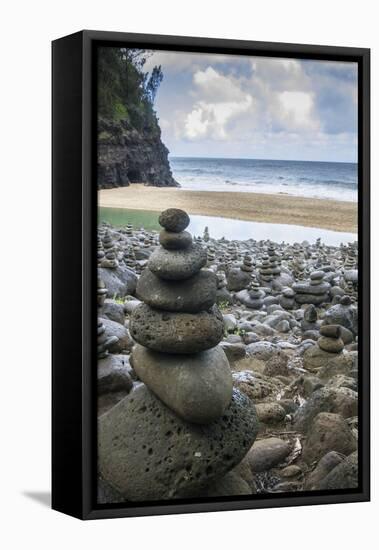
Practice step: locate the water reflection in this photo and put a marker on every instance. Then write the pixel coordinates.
(229, 228)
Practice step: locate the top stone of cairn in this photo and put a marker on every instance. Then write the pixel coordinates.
(174, 219)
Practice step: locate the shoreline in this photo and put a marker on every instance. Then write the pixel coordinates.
(255, 207)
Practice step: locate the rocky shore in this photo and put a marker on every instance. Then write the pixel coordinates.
(224, 367)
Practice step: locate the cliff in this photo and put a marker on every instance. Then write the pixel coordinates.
(127, 155)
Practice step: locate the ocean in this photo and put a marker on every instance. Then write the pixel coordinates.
(324, 180)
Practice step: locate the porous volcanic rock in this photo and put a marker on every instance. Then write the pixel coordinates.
(146, 452)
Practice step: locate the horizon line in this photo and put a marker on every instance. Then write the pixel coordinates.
(269, 159)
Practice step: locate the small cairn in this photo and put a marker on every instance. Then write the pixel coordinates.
(187, 382)
(314, 291)
(287, 298)
(239, 277)
(253, 297)
(101, 293)
(206, 236)
(100, 250)
(110, 261)
(129, 230)
(265, 271)
(310, 319)
(274, 260)
(330, 339)
(223, 296)
(298, 265)
(211, 256)
(130, 258)
(104, 341)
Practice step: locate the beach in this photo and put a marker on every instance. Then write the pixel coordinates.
(258, 207)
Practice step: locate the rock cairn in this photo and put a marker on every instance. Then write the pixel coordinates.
(104, 340)
(151, 445)
(239, 277)
(330, 339)
(314, 291)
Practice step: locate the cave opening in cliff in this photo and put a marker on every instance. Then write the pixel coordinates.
(135, 176)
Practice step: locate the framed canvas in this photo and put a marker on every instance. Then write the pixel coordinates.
(210, 275)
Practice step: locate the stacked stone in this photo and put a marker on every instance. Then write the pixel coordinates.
(248, 264)
(314, 291)
(287, 298)
(130, 258)
(104, 341)
(100, 250)
(175, 284)
(274, 260)
(265, 271)
(298, 265)
(110, 260)
(239, 277)
(350, 290)
(206, 236)
(187, 382)
(211, 256)
(129, 230)
(330, 339)
(253, 296)
(222, 294)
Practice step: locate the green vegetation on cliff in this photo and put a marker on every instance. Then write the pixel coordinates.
(125, 90)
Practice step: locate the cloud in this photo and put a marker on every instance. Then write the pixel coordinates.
(257, 107)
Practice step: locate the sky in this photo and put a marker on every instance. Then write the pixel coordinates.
(257, 107)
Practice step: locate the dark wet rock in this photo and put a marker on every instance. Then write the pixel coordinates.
(177, 265)
(340, 401)
(267, 453)
(175, 241)
(147, 453)
(124, 343)
(197, 387)
(192, 295)
(231, 484)
(343, 476)
(345, 315)
(114, 311)
(176, 332)
(174, 219)
(328, 432)
(113, 374)
(324, 466)
(238, 279)
(119, 282)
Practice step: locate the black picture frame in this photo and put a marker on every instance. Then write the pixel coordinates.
(74, 207)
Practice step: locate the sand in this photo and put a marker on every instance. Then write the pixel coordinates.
(258, 207)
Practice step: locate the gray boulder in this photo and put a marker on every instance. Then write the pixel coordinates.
(197, 387)
(176, 332)
(192, 295)
(147, 453)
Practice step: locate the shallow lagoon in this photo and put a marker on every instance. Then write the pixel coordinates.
(228, 228)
